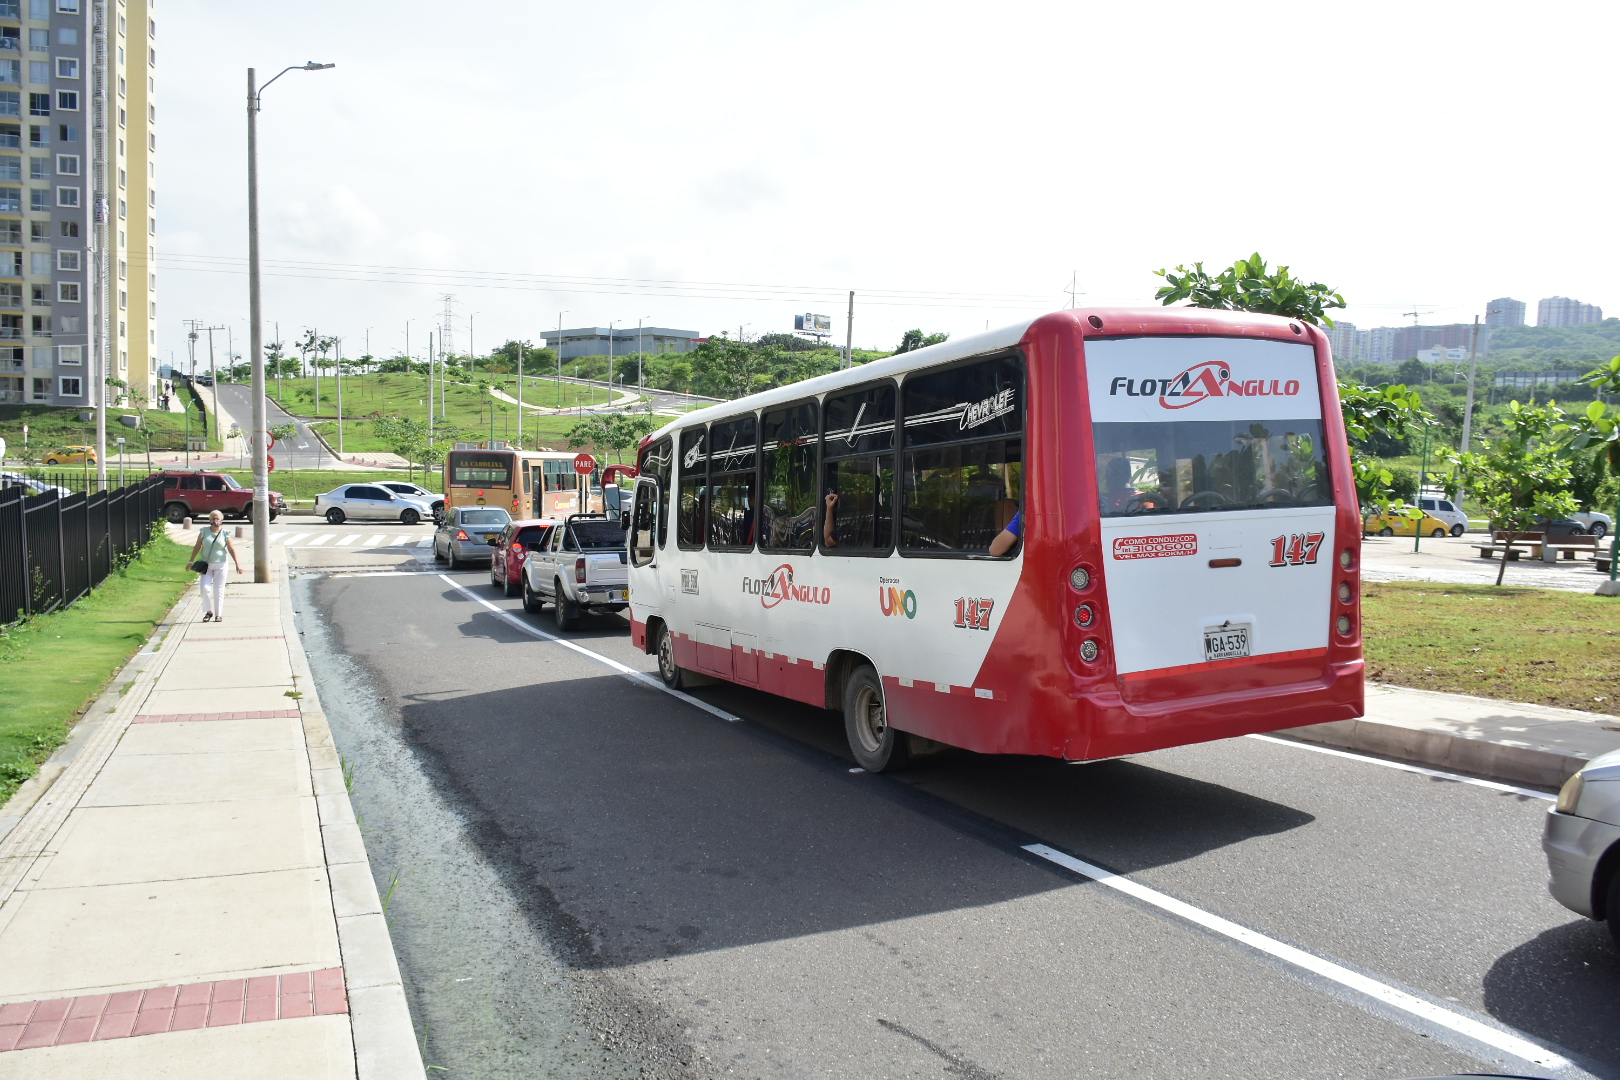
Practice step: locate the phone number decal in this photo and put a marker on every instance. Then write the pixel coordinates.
(1155, 547)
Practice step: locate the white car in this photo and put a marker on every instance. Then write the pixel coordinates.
(418, 493)
(1594, 522)
(1446, 511)
(370, 502)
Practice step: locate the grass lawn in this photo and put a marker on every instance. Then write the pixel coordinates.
(50, 427)
(1543, 646)
(300, 486)
(52, 668)
(475, 413)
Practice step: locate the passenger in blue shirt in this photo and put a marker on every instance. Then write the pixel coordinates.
(1009, 536)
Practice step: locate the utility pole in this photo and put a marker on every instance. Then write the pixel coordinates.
(520, 395)
(101, 339)
(610, 362)
(849, 334)
(339, 346)
(430, 386)
(560, 314)
(1468, 409)
(641, 382)
(213, 373)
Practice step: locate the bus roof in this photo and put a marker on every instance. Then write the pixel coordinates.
(1116, 322)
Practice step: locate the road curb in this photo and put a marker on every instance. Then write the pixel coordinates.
(385, 1046)
(1444, 750)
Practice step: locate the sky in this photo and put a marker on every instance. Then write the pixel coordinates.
(719, 166)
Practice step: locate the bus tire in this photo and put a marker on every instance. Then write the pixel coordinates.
(877, 747)
(533, 603)
(564, 610)
(675, 677)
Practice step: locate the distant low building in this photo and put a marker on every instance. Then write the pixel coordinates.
(1435, 355)
(1504, 311)
(1562, 311)
(1529, 380)
(625, 341)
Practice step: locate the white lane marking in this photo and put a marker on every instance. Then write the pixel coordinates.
(351, 538)
(401, 541)
(321, 539)
(628, 672)
(289, 541)
(1362, 984)
(425, 543)
(1404, 767)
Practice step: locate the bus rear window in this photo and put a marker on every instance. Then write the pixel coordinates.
(479, 470)
(1198, 424)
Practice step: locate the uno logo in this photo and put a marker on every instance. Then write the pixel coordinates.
(895, 602)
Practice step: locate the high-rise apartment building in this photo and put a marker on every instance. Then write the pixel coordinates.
(77, 151)
(1562, 311)
(1504, 311)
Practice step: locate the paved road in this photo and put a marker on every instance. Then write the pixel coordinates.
(1456, 560)
(302, 451)
(595, 878)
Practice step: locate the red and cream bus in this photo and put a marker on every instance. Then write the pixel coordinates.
(524, 483)
(1097, 533)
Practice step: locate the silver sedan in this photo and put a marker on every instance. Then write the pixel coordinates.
(469, 534)
(1582, 842)
(370, 502)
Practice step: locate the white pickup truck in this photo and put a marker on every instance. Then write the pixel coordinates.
(583, 568)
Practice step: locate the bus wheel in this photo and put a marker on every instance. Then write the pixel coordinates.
(674, 677)
(877, 746)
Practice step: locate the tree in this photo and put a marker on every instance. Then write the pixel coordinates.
(1378, 413)
(1245, 286)
(1522, 478)
(617, 432)
(734, 368)
(913, 340)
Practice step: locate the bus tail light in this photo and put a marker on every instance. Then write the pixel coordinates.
(461, 534)
(1345, 592)
(1090, 650)
(1079, 579)
(1084, 616)
(1342, 624)
(579, 571)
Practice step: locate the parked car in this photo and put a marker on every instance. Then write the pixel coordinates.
(1596, 523)
(469, 534)
(35, 486)
(370, 502)
(584, 568)
(204, 380)
(512, 548)
(1582, 842)
(198, 494)
(71, 455)
(1446, 510)
(1398, 524)
(1561, 527)
(434, 500)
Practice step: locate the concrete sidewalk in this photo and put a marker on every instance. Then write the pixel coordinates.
(185, 892)
(1500, 740)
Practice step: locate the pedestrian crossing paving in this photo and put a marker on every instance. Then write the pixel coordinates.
(355, 540)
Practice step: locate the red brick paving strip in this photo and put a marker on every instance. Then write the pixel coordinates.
(27, 1025)
(185, 718)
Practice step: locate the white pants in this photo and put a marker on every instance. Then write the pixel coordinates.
(213, 589)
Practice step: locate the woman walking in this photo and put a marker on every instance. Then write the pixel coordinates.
(212, 546)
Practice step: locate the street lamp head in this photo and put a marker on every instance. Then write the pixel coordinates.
(313, 66)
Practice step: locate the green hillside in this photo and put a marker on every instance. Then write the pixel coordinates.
(1529, 348)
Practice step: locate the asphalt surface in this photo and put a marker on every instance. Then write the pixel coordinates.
(596, 878)
(302, 451)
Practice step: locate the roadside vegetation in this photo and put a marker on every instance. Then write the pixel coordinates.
(54, 666)
(1542, 646)
(51, 427)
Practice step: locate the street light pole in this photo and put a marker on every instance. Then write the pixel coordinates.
(261, 432)
(640, 379)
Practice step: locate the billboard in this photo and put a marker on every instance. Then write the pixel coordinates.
(813, 324)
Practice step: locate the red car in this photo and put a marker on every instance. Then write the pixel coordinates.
(197, 494)
(506, 567)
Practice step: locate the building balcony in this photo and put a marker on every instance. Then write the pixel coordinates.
(13, 397)
(11, 333)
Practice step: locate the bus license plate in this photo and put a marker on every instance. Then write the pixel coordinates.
(1225, 642)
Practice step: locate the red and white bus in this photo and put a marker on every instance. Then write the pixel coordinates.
(1098, 533)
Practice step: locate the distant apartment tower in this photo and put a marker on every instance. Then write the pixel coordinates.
(1504, 311)
(60, 148)
(1345, 341)
(1562, 311)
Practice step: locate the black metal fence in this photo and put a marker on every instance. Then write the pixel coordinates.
(56, 544)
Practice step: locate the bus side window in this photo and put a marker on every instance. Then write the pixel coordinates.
(857, 453)
(964, 455)
(690, 516)
(733, 458)
(787, 479)
(655, 462)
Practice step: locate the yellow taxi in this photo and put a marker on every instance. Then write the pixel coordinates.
(1398, 524)
(72, 455)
